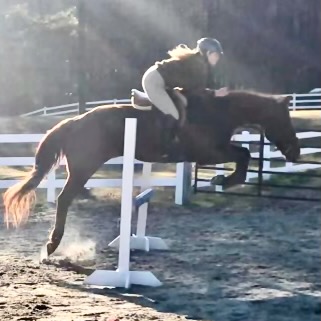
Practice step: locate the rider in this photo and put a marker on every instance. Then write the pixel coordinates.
(186, 68)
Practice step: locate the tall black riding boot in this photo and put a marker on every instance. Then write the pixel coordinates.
(168, 133)
(170, 142)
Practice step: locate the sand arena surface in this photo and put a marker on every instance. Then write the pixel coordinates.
(254, 264)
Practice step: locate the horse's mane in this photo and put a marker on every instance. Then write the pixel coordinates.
(246, 93)
(237, 93)
(238, 100)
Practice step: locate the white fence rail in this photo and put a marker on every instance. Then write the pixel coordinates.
(270, 154)
(305, 101)
(72, 108)
(298, 102)
(51, 183)
(273, 154)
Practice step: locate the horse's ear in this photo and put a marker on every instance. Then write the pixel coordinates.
(285, 99)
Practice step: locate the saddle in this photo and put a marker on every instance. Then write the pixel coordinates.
(140, 100)
(170, 141)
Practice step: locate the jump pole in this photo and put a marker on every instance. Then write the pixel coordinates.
(123, 277)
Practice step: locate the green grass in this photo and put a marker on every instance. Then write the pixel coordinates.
(297, 179)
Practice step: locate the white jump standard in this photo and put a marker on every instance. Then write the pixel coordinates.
(140, 241)
(123, 277)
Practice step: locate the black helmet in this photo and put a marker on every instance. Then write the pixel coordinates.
(205, 45)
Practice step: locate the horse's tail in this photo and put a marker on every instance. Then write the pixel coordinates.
(19, 198)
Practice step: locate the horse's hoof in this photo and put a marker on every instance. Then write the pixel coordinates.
(217, 180)
(43, 254)
(50, 248)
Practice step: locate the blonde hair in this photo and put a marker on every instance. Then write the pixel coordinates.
(182, 51)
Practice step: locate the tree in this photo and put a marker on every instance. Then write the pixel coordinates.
(269, 46)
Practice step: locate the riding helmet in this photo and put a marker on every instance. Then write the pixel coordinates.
(205, 45)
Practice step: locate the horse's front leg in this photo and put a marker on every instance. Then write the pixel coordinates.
(238, 155)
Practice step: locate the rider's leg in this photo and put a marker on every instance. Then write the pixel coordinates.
(181, 105)
(154, 86)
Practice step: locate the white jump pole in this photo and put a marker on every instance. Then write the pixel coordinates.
(123, 277)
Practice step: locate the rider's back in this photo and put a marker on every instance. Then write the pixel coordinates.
(190, 72)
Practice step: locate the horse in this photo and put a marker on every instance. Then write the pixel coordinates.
(89, 140)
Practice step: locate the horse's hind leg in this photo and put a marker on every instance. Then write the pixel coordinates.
(239, 155)
(76, 180)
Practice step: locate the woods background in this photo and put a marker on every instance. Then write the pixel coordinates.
(272, 46)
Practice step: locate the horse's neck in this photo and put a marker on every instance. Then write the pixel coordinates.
(248, 117)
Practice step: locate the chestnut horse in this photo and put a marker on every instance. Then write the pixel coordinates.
(89, 140)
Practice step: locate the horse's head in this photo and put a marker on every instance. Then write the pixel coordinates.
(280, 131)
